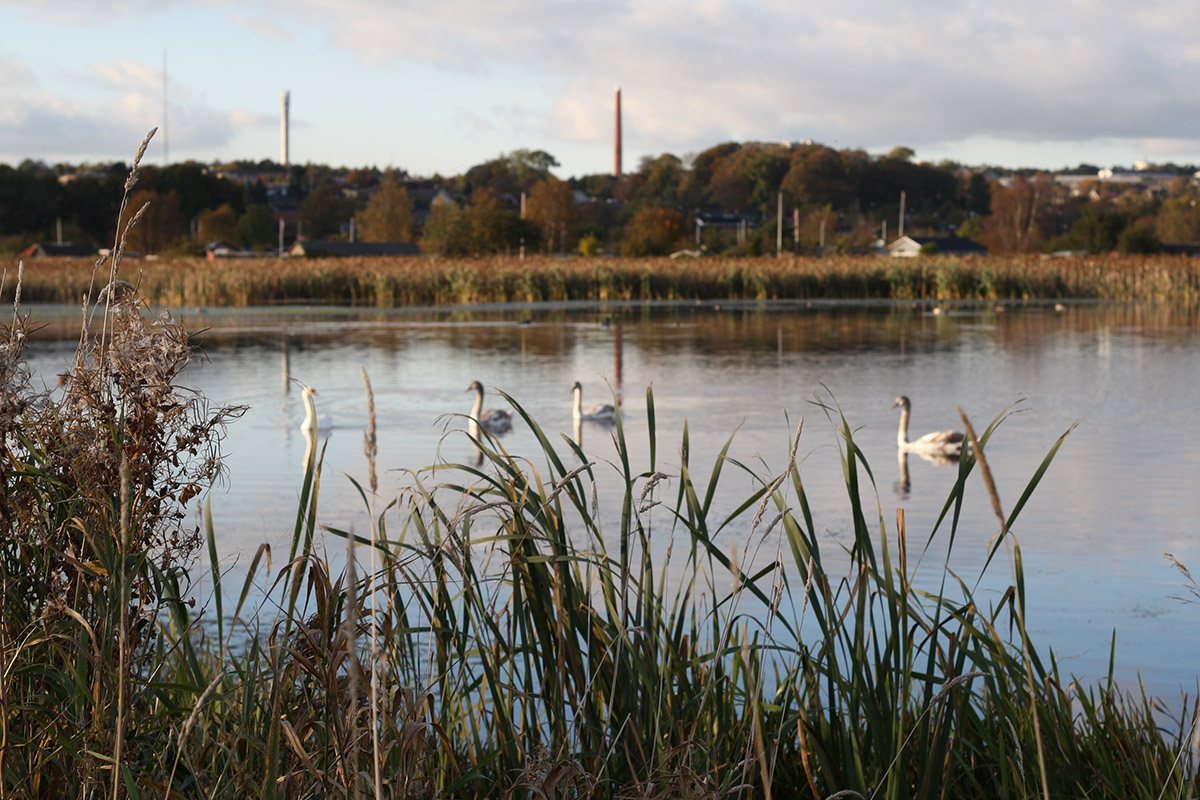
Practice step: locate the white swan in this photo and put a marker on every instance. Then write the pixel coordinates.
(603, 412)
(947, 443)
(494, 420)
(312, 420)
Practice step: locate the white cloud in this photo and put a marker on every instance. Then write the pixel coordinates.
(264, 27)
(57, 127)
(869, 73)
(125, 75)
(86, 12)
(861, 72)
(15, 75)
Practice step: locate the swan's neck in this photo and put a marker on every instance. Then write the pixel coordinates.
(578, 408)
(902, 434)
(475, 409)
(310, 412)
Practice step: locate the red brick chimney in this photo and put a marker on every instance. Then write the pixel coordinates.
(617, 138)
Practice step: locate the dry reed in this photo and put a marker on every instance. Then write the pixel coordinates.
(388, 282)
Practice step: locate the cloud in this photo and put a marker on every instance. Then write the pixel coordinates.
(55, 127)
(124, 75)
(264, 27)
(15, 75)
(86, 12)
(860, 72)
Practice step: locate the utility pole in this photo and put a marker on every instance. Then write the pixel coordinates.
(166, 139)
(779, 228)
(902, 199)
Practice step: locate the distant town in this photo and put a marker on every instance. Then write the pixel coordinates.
(736, 198)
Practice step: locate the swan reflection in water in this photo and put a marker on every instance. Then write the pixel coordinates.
(942, 459)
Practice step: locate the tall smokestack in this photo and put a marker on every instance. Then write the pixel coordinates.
(617, 138)
(285, 99)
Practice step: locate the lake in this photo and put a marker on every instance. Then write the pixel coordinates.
(1120, 494)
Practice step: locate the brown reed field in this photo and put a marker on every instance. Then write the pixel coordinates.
(422, 281)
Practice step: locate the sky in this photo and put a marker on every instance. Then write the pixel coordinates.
(438, 86)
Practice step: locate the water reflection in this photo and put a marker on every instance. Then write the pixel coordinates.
(903, 487)
(1114, 499)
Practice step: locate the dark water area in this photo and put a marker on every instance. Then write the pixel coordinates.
(1120, 494)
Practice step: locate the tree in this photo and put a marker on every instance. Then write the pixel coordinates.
(659, 181)
(1179, 220)
(161, 225)
(256, 228)
(322, 212)
(388, 216)
(654, 231)
(531, 165)
(493, 227)
(1022, 215)
(695, 189)
(1138, 239)
(1097, 230)
(196, 188)
(447, 231)
(817, 175)
(220, 224)
(511, 174)
(551, 206)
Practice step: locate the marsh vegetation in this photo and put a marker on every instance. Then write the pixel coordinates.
(386, 282)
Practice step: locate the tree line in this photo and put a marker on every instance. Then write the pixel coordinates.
(724, 200)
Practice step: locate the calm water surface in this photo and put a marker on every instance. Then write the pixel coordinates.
(1120, 494)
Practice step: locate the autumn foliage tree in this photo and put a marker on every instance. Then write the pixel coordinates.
(161, 226)
(388, 216)
(220, 224)
(447, 231)
(322, 212)
(1022, 215)
(493, 227)
(1179, 220)
(654, 231)
(551, 207)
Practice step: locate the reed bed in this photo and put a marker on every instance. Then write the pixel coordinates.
(388, 282)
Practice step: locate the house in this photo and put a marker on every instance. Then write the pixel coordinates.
(40, 250)
(219, 249)
(336, 249)
(1181, 248)
(911, 246)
